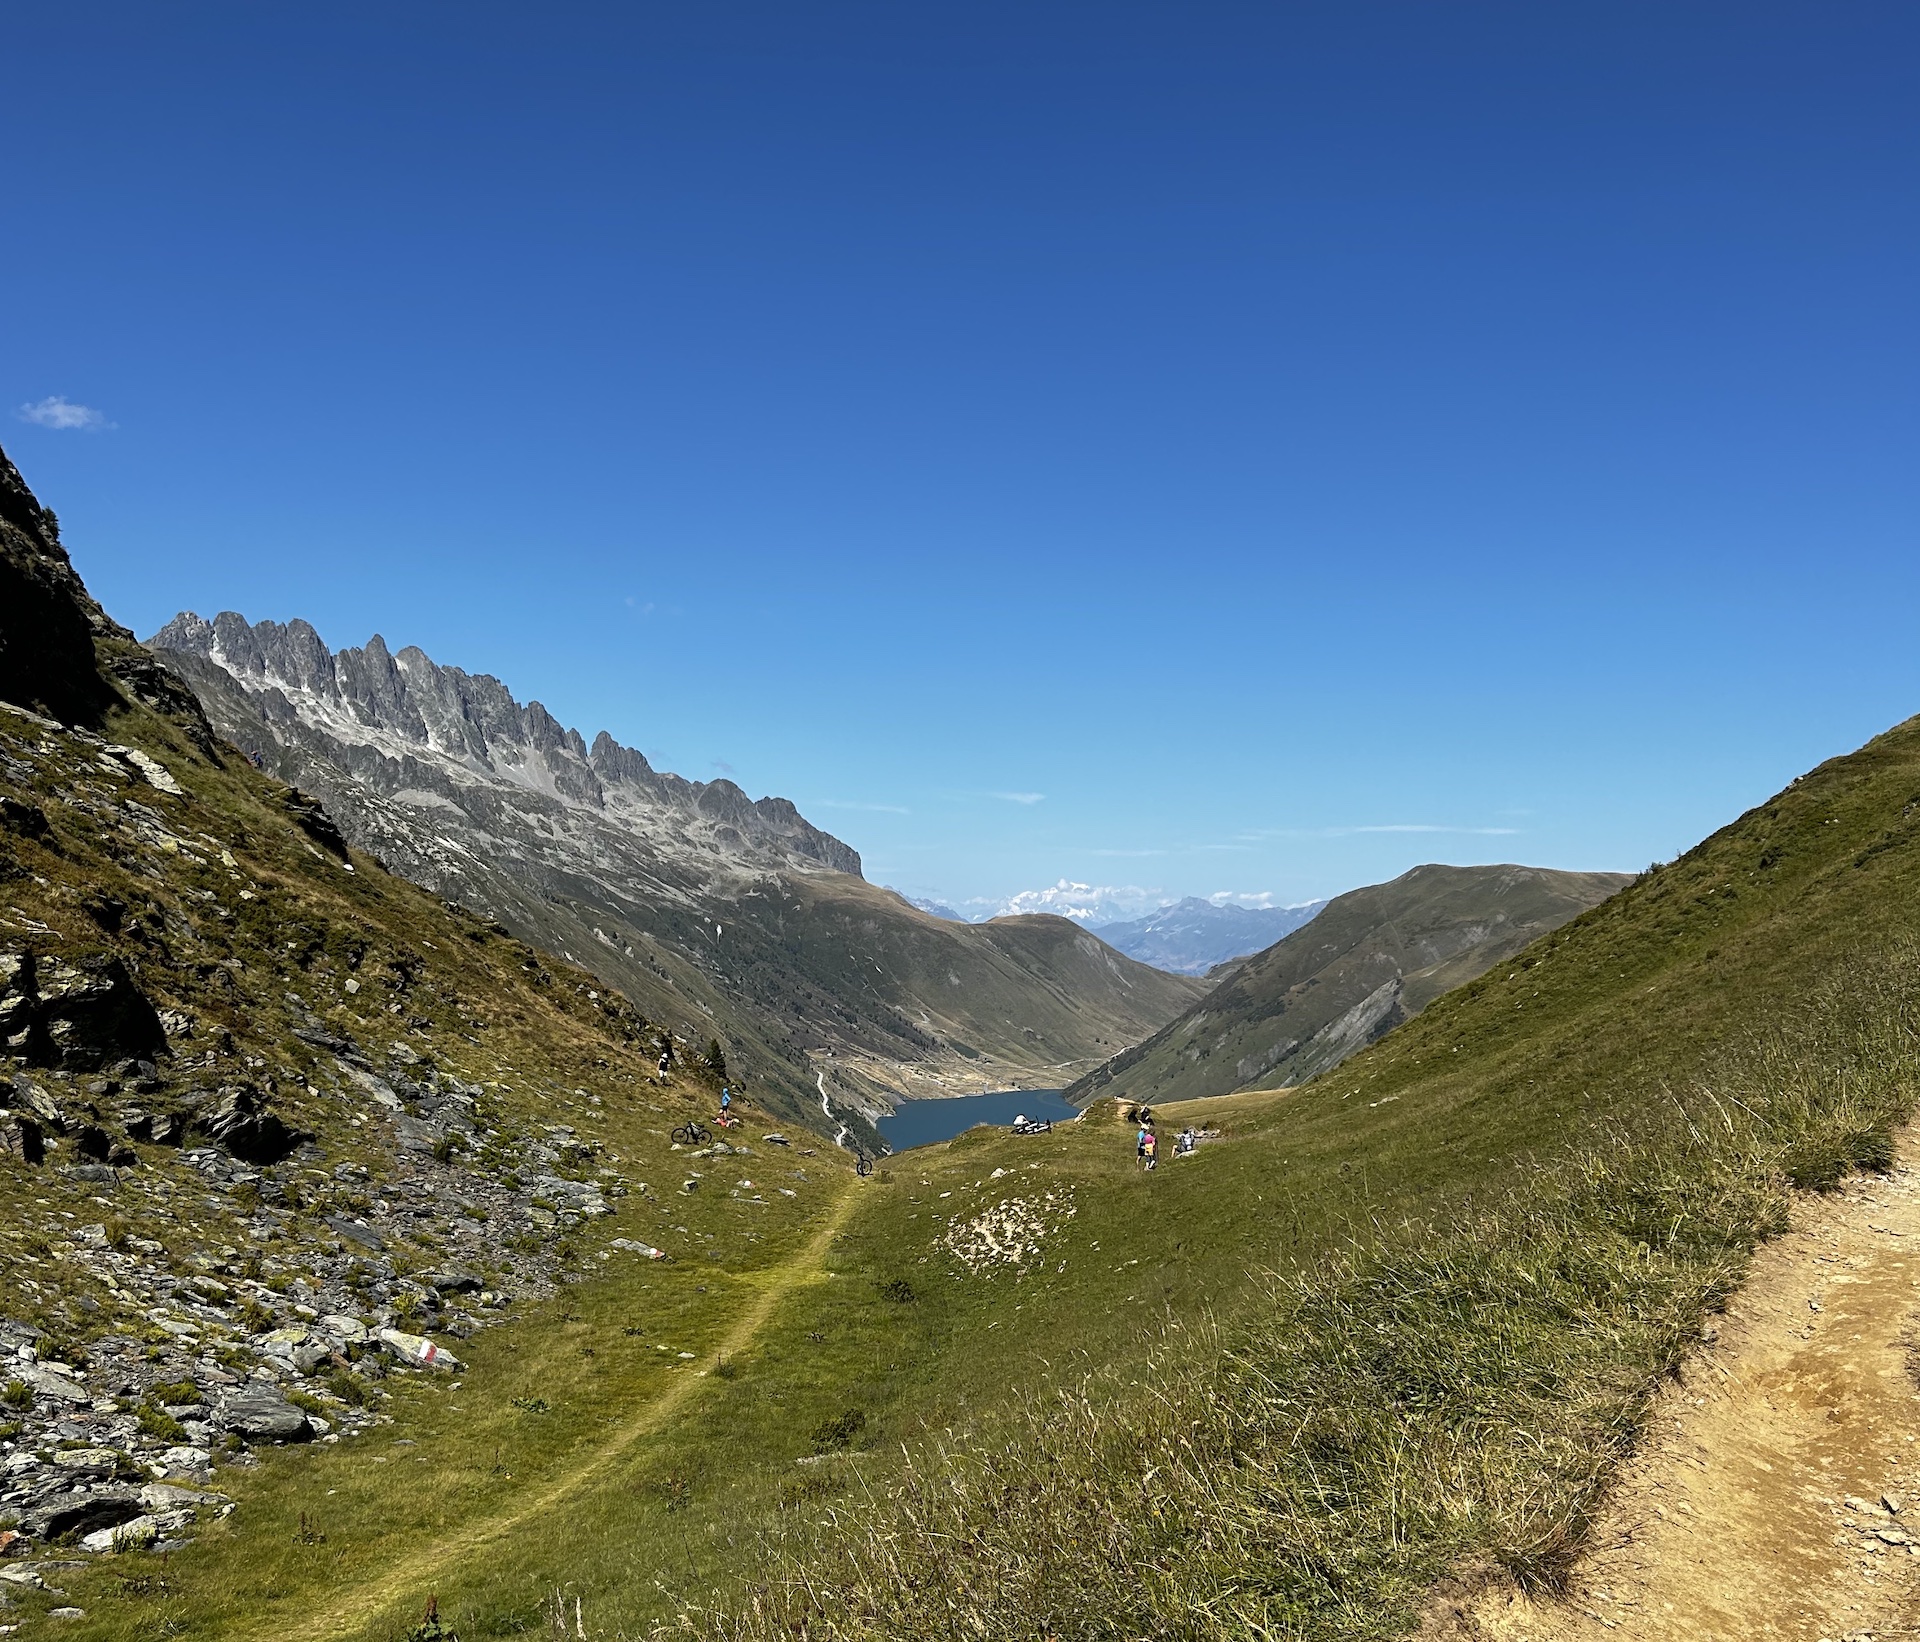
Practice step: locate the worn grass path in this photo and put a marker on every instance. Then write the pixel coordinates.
(354, 1607)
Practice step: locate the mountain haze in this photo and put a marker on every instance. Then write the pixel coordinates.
(723, 915)
(1194, 936)
(1369, 960)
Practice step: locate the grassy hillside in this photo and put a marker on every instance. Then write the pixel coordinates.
(1385, 1325)
(1371, 959)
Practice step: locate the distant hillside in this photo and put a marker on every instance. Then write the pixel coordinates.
(1194, 936)
(1369, 960)
(714, 913)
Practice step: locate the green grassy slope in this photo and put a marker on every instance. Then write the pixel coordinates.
(1370, 960)
(1542, 1180)
(1536, 1197)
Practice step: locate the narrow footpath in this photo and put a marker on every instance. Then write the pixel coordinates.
(1778, 1493)
(404, 1580)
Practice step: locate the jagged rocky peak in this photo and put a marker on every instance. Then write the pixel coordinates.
(401, 704)
(48, 620)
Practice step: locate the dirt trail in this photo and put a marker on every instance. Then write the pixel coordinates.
(357, 1604)
(1759, 1505)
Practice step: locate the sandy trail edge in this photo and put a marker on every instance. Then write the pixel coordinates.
(1734, 1522)
(357, 1604)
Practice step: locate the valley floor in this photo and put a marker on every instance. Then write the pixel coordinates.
(1760, 1503)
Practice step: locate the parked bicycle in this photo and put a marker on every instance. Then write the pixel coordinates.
(692, 1134)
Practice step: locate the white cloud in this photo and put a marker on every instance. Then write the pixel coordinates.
(1083, 903)
(57, 412)
(838, 804)
(1018, 797)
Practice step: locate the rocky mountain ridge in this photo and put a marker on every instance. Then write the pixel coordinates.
(718, 916)
(427, 734)
(275, 1126)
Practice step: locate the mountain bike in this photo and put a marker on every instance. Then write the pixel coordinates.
(691, 1134)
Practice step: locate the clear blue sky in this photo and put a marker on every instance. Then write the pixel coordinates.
(1247, 427)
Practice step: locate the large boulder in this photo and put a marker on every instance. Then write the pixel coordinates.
(91, 1013)
(237, 1118)
(84, 1511)
(259, 1414)
(82, 1013)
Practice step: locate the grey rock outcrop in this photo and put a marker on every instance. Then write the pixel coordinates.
(433, 731)
(259, 1414)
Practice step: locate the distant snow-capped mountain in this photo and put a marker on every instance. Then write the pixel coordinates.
(1192, 936)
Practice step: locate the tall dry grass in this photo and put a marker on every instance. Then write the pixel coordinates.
(1439, 1397)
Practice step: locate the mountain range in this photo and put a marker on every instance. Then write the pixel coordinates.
(725, 916)
(1194, 937)
(1367, 961)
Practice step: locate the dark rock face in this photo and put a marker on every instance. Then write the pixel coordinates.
(237, 1119)
(82, 1512)
(48, 621)
(312, 819)
(81, 1013)
(24, 820)
(21, 1137)
(93, 1014)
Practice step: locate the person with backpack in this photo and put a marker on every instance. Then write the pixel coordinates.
(1149, 1147)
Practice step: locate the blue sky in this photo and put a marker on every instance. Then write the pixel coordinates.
(1205, 448)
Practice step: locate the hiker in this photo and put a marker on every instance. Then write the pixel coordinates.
(666, 1060)
(1140, 1141)
(726, 1101)
(1148, 1147)
(1188, 1141)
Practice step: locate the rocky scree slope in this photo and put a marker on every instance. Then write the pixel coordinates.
(1369, 960)
(274, 1125)
(709, 910)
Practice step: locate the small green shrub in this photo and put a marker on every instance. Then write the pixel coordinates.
(157, 1422)
(832, 1435)
(18, 1394)
(348, 1387)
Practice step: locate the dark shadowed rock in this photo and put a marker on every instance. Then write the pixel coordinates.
(84, 1511)
(237, 1119)
(310, 817)
(24, 820)
(48, 621)
(81, 1013)
(21, 1137)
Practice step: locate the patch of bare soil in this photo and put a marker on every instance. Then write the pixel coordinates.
(1778, 1490)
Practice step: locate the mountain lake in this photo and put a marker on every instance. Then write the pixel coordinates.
(922, 1122)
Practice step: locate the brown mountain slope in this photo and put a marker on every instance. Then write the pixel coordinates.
(1371, 959)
